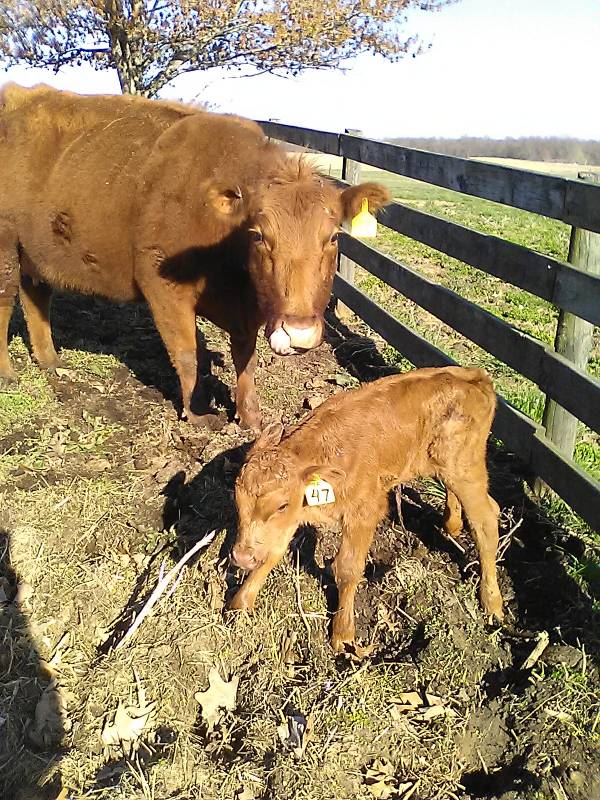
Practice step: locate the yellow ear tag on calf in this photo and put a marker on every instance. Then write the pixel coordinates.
(364, 224)
(319, 492)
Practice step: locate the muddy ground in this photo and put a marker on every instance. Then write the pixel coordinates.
(101, 483)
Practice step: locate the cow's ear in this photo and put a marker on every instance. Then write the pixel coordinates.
(270, 437)
(226, 199)
(332, 475)
(352, 198)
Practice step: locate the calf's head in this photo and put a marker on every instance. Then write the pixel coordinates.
(269, 494)
(293, 230)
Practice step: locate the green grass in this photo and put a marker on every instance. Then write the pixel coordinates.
(21, 402)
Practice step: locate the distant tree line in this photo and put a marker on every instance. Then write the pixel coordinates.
(532, 148)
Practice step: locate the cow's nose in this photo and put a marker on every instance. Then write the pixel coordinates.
(243, 558)
(304, 332)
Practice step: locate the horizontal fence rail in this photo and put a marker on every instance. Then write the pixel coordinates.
(574, 202)
(574, 389)
(571, 289)
(520, 433)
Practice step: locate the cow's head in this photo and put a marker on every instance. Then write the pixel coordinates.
(269, 494)
(293, 230)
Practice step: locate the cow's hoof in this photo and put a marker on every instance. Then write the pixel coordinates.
(8, 379)
(251, 421)
(211, 422)
(491, 600)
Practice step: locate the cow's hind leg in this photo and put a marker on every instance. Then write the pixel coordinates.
(9, 284)
(35, 299)
(243, 352)
(482, 513)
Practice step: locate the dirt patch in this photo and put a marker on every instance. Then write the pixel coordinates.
(104, 488)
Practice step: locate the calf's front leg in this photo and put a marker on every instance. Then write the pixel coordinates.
(244, 598)
(348, 570)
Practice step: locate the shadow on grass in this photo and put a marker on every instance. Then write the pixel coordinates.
(127, 331)
(31, 721)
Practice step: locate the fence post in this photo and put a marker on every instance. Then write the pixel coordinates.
(573, 338)
(351, 172)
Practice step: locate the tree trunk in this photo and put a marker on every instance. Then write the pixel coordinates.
(130, 73)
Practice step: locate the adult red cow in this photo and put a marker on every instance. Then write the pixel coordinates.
(197, 213)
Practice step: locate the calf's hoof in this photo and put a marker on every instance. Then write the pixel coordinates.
(241, 602)
(351, 648)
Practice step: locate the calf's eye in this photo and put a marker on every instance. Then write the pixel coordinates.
(282, 507)
(334, 238)
(256, 236)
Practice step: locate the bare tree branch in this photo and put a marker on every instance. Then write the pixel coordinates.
(151, 42)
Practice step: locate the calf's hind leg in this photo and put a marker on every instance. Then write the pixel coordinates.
(452, 514)
(482, 513)
(35, 299)
(9, 283)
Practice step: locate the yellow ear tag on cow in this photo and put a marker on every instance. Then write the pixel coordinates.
(364, 224)
(319, 492)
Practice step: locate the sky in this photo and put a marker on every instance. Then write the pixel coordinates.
(494, 68)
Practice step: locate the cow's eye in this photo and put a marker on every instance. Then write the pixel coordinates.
(281, 508)
(256, 235)
(334, 238)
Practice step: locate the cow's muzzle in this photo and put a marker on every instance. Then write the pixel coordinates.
(290, 334)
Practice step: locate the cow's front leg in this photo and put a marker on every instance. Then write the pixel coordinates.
(174, 312)
(243, 352)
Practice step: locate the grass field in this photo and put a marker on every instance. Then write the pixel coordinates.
(101, 484)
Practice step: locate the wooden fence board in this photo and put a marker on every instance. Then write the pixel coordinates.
(571, 201)
(543, 276)
(520, 434)
(572, 388)
(305, 137)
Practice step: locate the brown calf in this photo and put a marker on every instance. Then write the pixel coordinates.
(360, 444)
(197, 213)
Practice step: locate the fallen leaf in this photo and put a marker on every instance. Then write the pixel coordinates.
(65, 373)
(220, 694)
(129, 722)
(245, 794)
(295, 732)
(380, 779)
(429, 706)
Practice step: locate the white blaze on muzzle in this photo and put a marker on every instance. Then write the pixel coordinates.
(286, 338)
(280, 342)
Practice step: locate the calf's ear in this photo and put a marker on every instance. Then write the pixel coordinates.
(352, 197)
(332, 475)
(270, 437)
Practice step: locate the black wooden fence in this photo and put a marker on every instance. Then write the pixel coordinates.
(573, 201)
